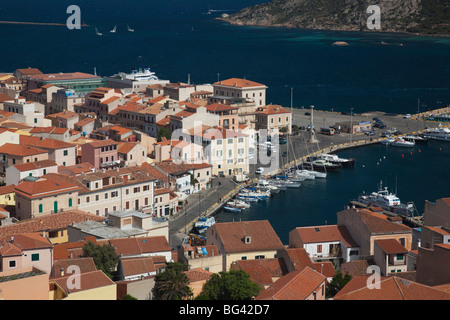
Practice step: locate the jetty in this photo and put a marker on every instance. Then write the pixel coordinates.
(325, 144)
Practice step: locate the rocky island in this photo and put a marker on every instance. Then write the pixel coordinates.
(424, 17)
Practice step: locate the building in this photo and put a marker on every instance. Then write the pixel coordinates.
(51, 132)
(390, 256)
(131, 154)
(200, 257)
(432, 265)
(25, 250)
(62, 153)
(65, 100)
(24, 284)
(31, 114)
(366, 226)
(37, 197)
(16, 173)
(53, 226)
(12, 154)
(7, 195)
(124, 189)
(226, 150)
(64, 119)
(389, 288)
(102, 154)
(93, 285)
(243, 241)
(240, 88)
(78, 81)
(274, 119)
(304, 284)
(437, 213)
(325, 243)
(229, 118)
(355, 127)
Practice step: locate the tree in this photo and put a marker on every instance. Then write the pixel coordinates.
(232, 285)
(337, 283)
(105, 257)
(163, 132)
(173, 283)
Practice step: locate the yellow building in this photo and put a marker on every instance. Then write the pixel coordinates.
(7, 195)
(93, 285)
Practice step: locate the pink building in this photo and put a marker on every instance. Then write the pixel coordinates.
(24, 251)
(101, 154)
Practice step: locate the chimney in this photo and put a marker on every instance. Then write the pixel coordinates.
(61, 272)
(247, 239)
(12, 239)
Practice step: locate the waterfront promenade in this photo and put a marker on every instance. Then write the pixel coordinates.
(210, 201)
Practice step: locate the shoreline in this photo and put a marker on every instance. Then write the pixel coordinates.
(405, 33)
(328, 147)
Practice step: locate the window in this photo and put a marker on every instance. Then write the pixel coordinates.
(35, 257)
(400, 256)
(260, 257)
(88, 199)
(41, 208)
(319, 248)
(66, 152)
(12, 263)
(70, 202)
(244, 258)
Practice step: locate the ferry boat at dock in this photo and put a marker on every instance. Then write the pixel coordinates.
(387, 201)
(437, 134)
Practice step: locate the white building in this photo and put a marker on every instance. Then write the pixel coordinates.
(325, 243)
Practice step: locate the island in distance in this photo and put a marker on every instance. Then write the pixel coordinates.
(424, 17)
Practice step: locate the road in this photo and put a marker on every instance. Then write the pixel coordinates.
(299, 146)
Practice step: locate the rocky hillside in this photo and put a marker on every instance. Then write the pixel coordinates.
(415, 16)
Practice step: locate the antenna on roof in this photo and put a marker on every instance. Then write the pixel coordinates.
(95, 71)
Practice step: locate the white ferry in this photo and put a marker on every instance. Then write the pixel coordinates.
(437, 134)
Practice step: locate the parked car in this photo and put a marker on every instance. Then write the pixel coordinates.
(260, 170)
(370, 133)
(407, 116)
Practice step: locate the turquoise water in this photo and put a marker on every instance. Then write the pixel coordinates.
(422, 175)
(177, 38)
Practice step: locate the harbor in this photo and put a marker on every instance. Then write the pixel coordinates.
(302, 149)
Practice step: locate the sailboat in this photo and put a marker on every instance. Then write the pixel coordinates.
(113, 29)
(129, 29)
(98, 33)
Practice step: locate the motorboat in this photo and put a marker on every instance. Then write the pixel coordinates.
(387, 201)
(203, 223)
(333, 158)
(129, 29)
(238, 204)
(322, 165)
(398, 142)
(97, 33)
(437, 134)
(246, 198)
(306, 174)
(113, 30)
(232, 209)
(416, 139)
(265, 185)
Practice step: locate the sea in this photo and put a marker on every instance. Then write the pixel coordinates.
(181, 40)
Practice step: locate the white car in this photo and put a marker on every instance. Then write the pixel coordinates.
(260, 170)
(407, 116)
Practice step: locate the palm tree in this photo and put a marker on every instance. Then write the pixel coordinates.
(172, 284)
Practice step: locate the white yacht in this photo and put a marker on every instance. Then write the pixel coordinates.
(388, 201)
(97, 33)
(113, 30)
(437, 134)
(129, 29)
(398, 142)
(336, 160)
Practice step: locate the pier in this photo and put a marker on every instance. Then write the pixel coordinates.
(325, 144)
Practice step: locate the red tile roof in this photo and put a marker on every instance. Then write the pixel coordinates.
(327, 233)
(51, 222)
(390, 288)
(391, 246)
(233, 234)
(88, 281)
(44, 188)
(240, 83)
(296, 285)
(20, 150)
